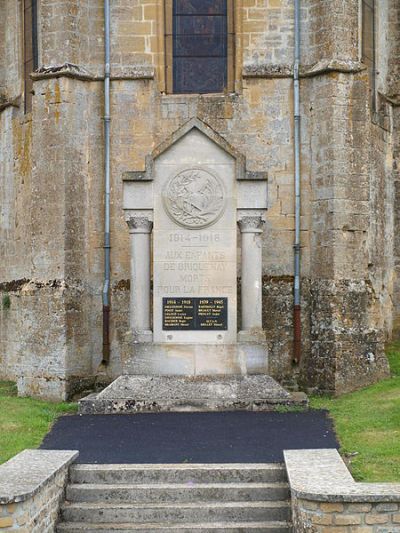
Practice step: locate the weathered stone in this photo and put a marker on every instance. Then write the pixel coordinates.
(326, 498)
(347, 520)
(32, 486)
(176, 497)
(134, 393)
(23, 475)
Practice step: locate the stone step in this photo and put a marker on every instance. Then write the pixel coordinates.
(195, 387)
(177, 473)
(176, 512)
(144, 393)
(201, 527)
(177, 492)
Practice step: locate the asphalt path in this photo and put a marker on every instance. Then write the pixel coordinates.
(223, 437)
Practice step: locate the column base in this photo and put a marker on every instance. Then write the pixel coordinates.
(142, 336)
(252, 335)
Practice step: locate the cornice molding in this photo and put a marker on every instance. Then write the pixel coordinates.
(6, 102)
(70, 70)
(325, 66)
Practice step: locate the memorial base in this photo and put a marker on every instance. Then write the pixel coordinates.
(197, 359)
(139, 393)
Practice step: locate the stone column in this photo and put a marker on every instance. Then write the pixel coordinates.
(251, 228)
(140, 228)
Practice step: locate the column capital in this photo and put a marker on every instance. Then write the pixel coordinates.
(139, 223)
(251, 224)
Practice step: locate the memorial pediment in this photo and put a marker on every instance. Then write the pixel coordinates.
(241, 171)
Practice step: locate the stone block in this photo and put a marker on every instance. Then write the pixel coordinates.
(331, 507)
(6, 521)
(386, 507)
(347, 519)
(310, 506)
(376, 519)
(358, 508)
(321, 519)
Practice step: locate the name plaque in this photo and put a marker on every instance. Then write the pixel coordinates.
(195, 314)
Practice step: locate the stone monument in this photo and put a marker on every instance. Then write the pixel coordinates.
(186, 214)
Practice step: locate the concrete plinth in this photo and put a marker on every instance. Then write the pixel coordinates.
(135, 394)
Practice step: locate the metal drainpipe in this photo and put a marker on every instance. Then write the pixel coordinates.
(107, 118)
(297, 259)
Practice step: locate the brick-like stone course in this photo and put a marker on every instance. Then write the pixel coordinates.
(32, 486)
(326, 499)
(343, 518)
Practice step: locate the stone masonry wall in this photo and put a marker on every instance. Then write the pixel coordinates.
(320, 517)
(32, 487)
(352, 210)
(10, 86)
(396, 172)
(392, 88)
(51, 220)
(38, 514)
(2, 58)
(325, 498)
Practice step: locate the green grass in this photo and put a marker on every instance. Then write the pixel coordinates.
(393, 353)
(25, 421)
(368, 422)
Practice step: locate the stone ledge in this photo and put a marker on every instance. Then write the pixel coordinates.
(325, 66)
(25, 474)
(78, 72)
(321, 475)
(6, 101)
(68, 70)
(392, 99)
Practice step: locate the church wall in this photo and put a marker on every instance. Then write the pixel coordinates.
(396, 175)
(392, 89)
(52, 227)
(2, 52)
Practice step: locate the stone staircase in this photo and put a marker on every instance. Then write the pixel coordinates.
(176, 498)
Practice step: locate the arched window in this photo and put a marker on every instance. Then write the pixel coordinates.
(199, 46)
(30, 50)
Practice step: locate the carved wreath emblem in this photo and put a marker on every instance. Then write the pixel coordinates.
(194, 198)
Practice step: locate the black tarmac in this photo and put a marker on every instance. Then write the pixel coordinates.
(223, 437)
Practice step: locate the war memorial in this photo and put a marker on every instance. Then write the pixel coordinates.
(199, 228)
(216, 198)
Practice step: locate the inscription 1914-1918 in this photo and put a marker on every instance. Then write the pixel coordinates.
(195, 314)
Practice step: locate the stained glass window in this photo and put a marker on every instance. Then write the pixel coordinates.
(201, 39)
(30, 50)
